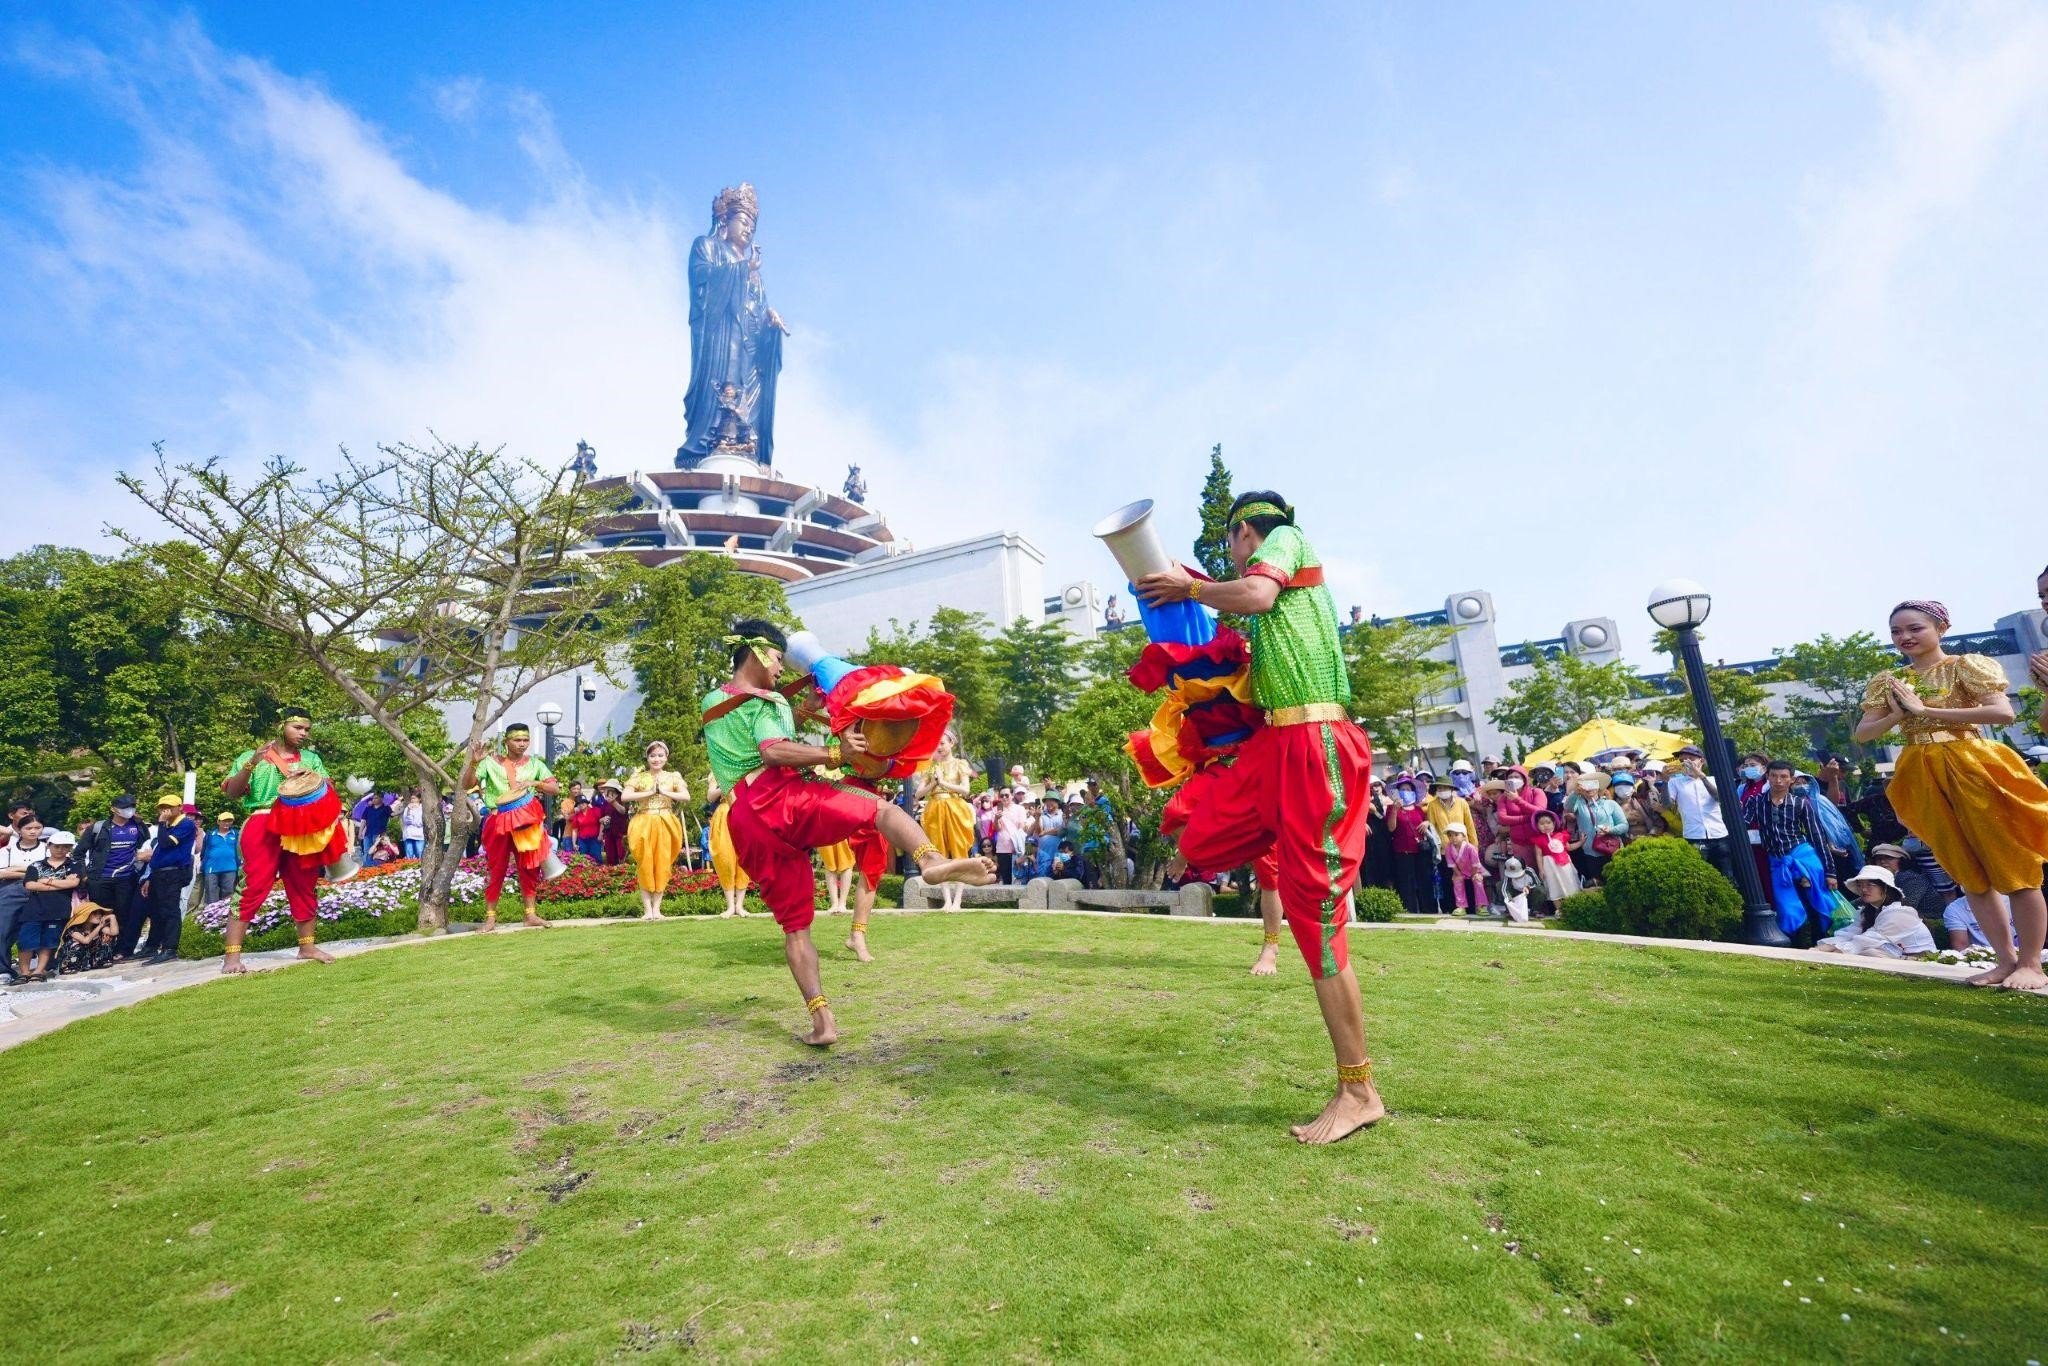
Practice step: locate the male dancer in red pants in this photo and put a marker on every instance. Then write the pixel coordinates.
(1298, 786)
(781, 811)
(254, 782)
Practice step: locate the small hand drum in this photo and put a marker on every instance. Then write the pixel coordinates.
(300, 784)
(886, 739)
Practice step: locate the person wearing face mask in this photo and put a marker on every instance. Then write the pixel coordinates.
(1751, 774)
(1406, 823)
(1378, 868)
(1792, 839)
(1546, 781)
(1479, 797)
(1697, 799)
(1601, 825)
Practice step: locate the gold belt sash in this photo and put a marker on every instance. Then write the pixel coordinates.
(1943, 737)
(1307, 714)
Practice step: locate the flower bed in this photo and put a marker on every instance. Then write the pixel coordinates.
(385, 901)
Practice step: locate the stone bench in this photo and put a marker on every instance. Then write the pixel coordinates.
(1066, 894)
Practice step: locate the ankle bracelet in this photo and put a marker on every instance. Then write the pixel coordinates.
(1361, 1071)
(816, 1004)
(919, 854)
(1272, 939)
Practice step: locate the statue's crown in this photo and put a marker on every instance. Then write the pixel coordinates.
(735, 198)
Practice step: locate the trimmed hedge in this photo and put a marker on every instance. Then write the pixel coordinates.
(1589, 911)
(1663, 888)
(1377, 904)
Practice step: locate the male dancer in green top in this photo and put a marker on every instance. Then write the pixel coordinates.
(254, 782)
(515, 820)
(1298, 787)
(781, 811)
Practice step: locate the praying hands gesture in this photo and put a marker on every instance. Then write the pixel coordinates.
(1905, 700)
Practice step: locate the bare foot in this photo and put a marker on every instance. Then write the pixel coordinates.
(534, 922)
(1176, 866)
(652, 915)
(490, 925)
(971, 872)
(1269, 961)
(2025, 979)
(1995, 977)
(823, 1030)
(313, 953)
(233, 966)
(1356, 1106)
(858, 942)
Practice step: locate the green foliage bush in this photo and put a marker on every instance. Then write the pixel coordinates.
(1590, 911)
(1662, 887)
(1377, 904)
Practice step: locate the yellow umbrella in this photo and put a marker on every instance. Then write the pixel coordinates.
(1599, 735)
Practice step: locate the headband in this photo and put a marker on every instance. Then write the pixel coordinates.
(518, 728)
(1261, 509)
(1927, 607)
(292, 716)
(760, 645)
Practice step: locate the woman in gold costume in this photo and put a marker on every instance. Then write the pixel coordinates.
(655, 836)
(1977, 806)
(732, 879)
(948, 820)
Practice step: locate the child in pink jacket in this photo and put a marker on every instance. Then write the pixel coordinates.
(1461, 857)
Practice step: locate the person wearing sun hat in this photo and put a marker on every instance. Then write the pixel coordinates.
(1886, 924)
(167, 874)
(1603, 826)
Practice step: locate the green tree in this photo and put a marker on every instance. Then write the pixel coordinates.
(681, 613)
(1039, 665)
(1212, 545)
(1836, 672)
(1559, 695)
(412, 581)
(1394, 672)
(1086, 740)
(1749, 719)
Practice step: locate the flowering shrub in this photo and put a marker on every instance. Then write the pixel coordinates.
(394, 891)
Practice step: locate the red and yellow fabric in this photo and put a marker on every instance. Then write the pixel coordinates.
(1295, 802)
(1207, 711)
(311, 825)
(904, 715)
(778, 817)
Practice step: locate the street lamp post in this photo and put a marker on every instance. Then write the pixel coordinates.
(1680, 605)
(550, 715)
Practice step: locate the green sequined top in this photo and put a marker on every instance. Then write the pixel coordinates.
(733, 741)
(1296, 657)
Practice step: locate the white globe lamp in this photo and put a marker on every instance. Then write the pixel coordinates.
(1676, 604)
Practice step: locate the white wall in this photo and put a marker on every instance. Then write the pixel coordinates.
(1001, 575)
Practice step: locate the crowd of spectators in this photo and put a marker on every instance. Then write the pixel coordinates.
(1541, 833)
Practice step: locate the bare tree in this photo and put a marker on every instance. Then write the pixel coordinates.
(418, 578)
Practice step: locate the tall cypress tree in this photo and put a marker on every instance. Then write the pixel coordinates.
(1212, 546)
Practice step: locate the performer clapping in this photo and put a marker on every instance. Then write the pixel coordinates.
(1298, 786)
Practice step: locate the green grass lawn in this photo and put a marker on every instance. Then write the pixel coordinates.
(1040, 1137)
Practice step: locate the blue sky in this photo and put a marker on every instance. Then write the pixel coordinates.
(1556, 301)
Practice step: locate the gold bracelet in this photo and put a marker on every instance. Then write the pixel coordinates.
(815, 1004)
(305, 939)
(833, 754)
(1194, 590)
(1355, 1071)
(917, 855)
(860, 928)
(1272, 939)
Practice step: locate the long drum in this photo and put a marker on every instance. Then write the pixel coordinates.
(1134, 540)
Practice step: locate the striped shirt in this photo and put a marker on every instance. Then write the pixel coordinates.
(1785, 825)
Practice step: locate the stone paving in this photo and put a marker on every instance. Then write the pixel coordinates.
(35, 1009)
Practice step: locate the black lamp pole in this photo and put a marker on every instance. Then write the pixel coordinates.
(1759, 919)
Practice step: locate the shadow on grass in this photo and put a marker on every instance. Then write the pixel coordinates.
(1087, 960)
